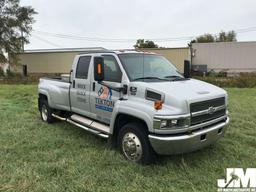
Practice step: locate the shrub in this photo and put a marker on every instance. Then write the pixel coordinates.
(212, 73)
(222, 74)
(246, 80)
(10, 74)
(242, 81)
(18, 79)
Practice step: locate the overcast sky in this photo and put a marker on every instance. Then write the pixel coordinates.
(133, 19)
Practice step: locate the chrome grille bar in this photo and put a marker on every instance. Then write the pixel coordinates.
(208, 111)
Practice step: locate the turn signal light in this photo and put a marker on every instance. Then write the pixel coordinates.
(99, 69)
(158, 105)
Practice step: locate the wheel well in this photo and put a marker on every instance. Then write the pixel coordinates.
(40, 99)
(123, 119)
(61, 113)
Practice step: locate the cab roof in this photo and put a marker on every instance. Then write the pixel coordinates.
(117, 52)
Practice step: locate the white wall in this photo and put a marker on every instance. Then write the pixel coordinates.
(228, 56)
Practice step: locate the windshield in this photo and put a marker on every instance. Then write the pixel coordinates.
(148, 67)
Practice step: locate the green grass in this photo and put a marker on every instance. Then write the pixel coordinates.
(35, 156)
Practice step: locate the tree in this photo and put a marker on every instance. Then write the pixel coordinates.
(206, 38)
(226, 36)
(231, 36)
(15, 27)
(221, 37)
(141, 43)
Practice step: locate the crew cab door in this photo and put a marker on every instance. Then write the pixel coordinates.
(102, 98)
(80, 86)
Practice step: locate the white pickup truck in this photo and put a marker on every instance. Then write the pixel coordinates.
(137, 100)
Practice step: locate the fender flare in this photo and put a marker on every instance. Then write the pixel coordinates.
(43, 92)
(133, 111)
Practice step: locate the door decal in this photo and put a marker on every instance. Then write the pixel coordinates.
(81, 93)
(104, 99)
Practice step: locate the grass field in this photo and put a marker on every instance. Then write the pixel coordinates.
(35, 156)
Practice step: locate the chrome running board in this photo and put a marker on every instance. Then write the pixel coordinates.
(90, 123)
(58, 117)
(81, 120)
(93, 127)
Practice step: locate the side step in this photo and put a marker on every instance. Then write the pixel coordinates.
(93, 124)
(87, 124)
(81, 120)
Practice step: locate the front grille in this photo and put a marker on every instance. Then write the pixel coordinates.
(205, 105)
(207, 117)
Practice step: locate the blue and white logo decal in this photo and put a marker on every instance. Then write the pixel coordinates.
(104, 101)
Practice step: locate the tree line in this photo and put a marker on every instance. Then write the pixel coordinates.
(223, 36)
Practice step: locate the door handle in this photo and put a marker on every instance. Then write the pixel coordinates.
(74, 83)
(93, 86)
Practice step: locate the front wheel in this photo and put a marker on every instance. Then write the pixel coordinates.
(134, 144)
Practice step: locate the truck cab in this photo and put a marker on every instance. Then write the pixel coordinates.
(138, 101)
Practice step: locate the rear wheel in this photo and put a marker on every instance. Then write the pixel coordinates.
(46, 112)
(134, 145)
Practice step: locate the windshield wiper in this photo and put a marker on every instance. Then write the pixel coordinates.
(176, 78)
(173, 76)
(141, 78)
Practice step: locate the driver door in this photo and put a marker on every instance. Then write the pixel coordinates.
(102, 98)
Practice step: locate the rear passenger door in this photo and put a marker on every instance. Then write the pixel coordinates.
(80, 87)
(102, 98)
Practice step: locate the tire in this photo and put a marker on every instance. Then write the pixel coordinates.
(46, 112)
(134, 144)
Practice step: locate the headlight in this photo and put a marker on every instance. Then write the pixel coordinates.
(172, 123)
(163, 123)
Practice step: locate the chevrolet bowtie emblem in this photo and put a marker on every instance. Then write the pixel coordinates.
(211, 110)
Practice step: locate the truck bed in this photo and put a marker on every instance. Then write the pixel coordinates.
(57, 90)
(62, 78)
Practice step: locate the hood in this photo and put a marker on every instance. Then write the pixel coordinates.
(190, 90)
(179, 94)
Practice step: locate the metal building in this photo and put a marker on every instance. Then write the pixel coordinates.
(50, 60)
(60, 60)
(232, 57)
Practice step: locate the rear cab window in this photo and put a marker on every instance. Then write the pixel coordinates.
(83, 67)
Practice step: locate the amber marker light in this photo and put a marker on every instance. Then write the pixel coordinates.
(158, 105)
(99, 69)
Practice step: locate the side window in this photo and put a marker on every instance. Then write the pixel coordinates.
(83, 67)
(112, 71)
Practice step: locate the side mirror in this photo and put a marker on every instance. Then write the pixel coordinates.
(98, 68)
(187, 69)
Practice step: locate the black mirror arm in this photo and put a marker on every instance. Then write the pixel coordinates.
(70, 75)
(118, 89)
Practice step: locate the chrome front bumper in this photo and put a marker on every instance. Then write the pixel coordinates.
(188, 142)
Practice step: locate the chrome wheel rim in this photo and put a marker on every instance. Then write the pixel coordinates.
(131, 146)
(44, 113)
